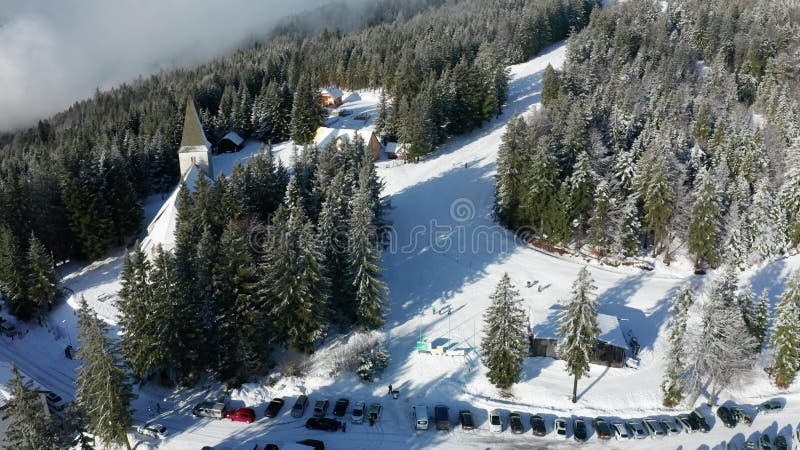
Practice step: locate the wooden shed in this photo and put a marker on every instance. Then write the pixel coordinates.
(331, 97)
(231, 142)
(610, 348)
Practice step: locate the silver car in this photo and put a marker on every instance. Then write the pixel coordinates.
(620, 431)
(770, 406)
(654, 427)
(155, 430)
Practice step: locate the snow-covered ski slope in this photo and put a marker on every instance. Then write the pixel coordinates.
(445, 251)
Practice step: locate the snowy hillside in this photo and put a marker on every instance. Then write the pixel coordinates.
(446, 251)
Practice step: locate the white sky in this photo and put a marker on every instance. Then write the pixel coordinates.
(53, 53)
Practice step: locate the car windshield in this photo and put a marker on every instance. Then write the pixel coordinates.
(357, 412)
(495, 420)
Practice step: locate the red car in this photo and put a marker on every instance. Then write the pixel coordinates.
(242, 415)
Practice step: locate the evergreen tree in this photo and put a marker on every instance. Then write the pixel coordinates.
(581, 188)
(235, 281)
(673, 385)
(653, 184)
(382, 125)
(505, 335)
(307, 114)
(785, 340)
(41, 283)
(550, 86)
(578, 328)
(760, 319)
(626, 227)
(102, 386)
(365, 257)
(790, 191)
(30, 427)
(768, 226)
(510, 181)
(599, 221)
(717, 357)
(333, 230)
(138, 342)
(703, 225)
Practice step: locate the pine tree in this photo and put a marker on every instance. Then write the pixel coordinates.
(703, 224)
(673, 385)
(717, 357)
(626, 227)
(578, 328)
(138, 343)
(790, 191)
(510, 183)
(760, 319)
(785, 340)
(550, 86)
(369, 290)
(41, 283)
(102, 386)
(653, 184)
(767, 224)
(505, 335)
(30, 426)
(581, 188)
(307, 114)
(334, 234)
(599, 221)
(382, 121)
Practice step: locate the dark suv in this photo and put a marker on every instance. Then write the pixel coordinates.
(726, 416)
(442, 414)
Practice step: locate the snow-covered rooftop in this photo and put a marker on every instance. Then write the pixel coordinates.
(161, 230)
(324, 135)
(233, 137)
(610, 330)
(333, 92)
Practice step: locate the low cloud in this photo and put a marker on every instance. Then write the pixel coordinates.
(55, 53)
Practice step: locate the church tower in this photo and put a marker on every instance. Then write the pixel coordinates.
(194, 149)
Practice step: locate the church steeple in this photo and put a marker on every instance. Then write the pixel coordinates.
(194, 149)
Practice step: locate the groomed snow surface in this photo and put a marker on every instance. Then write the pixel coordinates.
(446, 251)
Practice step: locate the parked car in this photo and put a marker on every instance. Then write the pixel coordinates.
(621, 431)
(374, 413)
(781, 443)
(796, 436)
(686, 423)
(420, 413)
(321, 407)
(561, 428)
(580, 432)
(323, 423)
(155, 430)
(671, 426)
(9, 329)
(750, 445)
(242, 415)
(54, 401)
(764, 443)
(442, 415)
(274, 408)
(602, 428)
(698, 417)
(466, 419)
(357, 416)
(340, 408)
(300, 406)
(313, 443)
(654, 427)
(495, 421)
(638, 431)
(538, 426)
(726, 416)
(515, 423)
(770, 406)
(741, 416)
(215, 410)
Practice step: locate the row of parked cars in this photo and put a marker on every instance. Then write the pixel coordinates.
(539, 425)
(359, 413)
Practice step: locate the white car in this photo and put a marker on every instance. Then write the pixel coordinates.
(155, 430)
(620, 431)
(560, 428)
(358, 412)
(495, 421)
(54, 401)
